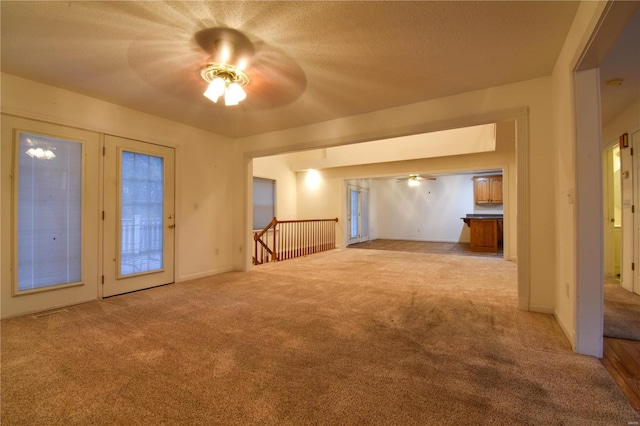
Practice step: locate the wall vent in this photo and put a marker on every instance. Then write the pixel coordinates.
(47, 313)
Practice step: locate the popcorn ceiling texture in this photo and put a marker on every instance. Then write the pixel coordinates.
(338, 59)
(347, 336)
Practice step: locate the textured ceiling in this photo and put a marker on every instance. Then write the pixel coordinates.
(314, 61)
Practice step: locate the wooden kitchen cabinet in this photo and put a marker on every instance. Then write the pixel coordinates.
(484, 235)
(487, 189)
(486, 231)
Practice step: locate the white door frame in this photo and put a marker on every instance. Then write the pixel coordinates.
(627, 200)
(113, 281)
(363, 211)
(634, 141)
(609, 211)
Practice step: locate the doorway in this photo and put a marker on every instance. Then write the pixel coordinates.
(358, 214)
(613, 213)
(138, 216)
(622, 227)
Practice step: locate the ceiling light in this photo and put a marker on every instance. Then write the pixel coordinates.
(225, 80)
(615, 82)
(414, 180)
(225, 71)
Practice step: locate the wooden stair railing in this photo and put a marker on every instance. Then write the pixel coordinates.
(287, 239)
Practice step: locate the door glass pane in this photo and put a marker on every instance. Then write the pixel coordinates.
(49, 212)
(354, 213)
(141, 219)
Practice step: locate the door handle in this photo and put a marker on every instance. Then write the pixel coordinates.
(173, 225)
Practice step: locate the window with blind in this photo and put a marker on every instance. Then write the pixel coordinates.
(264, 202)
(49, 212)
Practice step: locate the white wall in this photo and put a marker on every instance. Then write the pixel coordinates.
(324, 200)
(465, 140)
(204, 174)
(429, 212)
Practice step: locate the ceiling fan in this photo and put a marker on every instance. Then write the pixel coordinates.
(240, 67)
(414, 179)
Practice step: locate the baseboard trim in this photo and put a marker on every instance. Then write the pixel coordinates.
(429, 240)
(571, 334)
(204, 274)
(542, 310)
(51, 308)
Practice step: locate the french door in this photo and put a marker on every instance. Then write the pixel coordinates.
(138, 216)
(357, 214)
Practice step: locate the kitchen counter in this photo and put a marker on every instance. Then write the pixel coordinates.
(486, 231)
(481, 216)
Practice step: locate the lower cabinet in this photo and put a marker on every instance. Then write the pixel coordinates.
(484, 235)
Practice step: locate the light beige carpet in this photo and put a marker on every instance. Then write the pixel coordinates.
(621, 311)
(345, 337)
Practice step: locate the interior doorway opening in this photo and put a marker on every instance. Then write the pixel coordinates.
(331, 189)
(613, 212)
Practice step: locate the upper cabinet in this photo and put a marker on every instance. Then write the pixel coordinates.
(487, 189)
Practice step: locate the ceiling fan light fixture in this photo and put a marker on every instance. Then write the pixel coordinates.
(225, 69)
(234, 94)
(215, 89)
(224, 80)
(414, 180)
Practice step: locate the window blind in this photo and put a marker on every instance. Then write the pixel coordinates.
(49, 212)
(264, 191)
